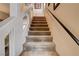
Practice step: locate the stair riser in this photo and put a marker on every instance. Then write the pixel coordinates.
(39, 29)
(39, 22)
(39, 39)
(39, 19)
(39, 33)
(36, 18)
(39, 25)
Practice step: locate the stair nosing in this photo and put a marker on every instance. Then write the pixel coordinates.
(38, 31)
(39, 27)
(40, 36)
(39, 24)
(40, 42)
(38, 21)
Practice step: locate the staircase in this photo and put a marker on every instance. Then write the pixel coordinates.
(39, 41)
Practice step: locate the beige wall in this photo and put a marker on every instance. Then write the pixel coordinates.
(4, 7)
(4, 10)
(23, 7)
(3, 15)
(68, 14)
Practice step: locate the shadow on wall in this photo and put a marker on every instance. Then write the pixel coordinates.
(3, 15)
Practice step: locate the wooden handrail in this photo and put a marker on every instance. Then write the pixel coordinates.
(48, 4)
(55, 6)
(66, 29)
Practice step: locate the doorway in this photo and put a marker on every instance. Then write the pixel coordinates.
(38, 9)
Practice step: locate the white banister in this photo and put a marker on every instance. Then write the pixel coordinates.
(5, 28)
(13, 26)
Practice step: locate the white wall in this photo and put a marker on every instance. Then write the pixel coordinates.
(38, 12)
(67, 14)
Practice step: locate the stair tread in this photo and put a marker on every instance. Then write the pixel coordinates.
(38, 31)
(39, 43)
(39, 53)
(40, 36)
(39, 24)
(39, 27)
(39, 39)
(39, 46)
(38, 21)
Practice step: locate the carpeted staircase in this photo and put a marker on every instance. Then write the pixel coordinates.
(39, 41)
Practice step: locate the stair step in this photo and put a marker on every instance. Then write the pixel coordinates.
(39, 33)
(39, 53)
(39, 17)
(39, 39)
(39, 46)
(39, 22)
(39, 28)
(39, 25)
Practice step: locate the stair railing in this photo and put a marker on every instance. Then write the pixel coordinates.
(65, 28)
(9, 25)
(55, 5)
